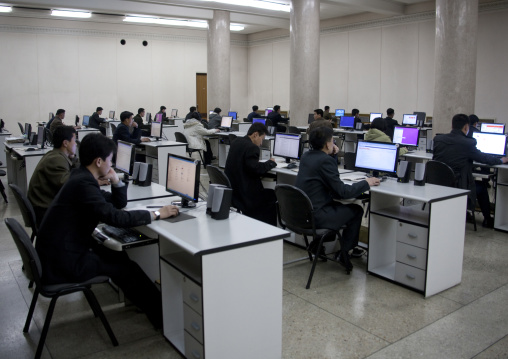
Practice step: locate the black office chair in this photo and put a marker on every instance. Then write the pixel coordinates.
(217, 176)
(293, 129)
(21, 128)
(2, 188)
(180, 137)
(231, 138)
(441, 174)
(295, 212)
(27, 210)
(113, 127)
(33, 270)
(49, 136)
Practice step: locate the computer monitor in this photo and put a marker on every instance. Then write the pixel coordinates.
(347, 122)
(259, 120)
(51, 115)
(268, 110)
(41, 136)
(491, 143)
(183, 179)
(156, 130)
(287, 145)
(376, 157)
(174, 112)
(339, 113)
(310, 118)
(28, 130)
(112, 114)
(409, 119)
(226, 122)
(420, 116)
(210, 112)
(125, 155)
(148, 117)
(158, 117)
(407, 136)
(233, 114)
(86, 120)
(492, 128)
(374, 115)
(76, 121)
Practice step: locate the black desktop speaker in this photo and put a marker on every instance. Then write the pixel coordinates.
(419, 174)
(135, 173)
(430, 145)
(404, 171)
(145, 174)
(33, 139)
(219, 201)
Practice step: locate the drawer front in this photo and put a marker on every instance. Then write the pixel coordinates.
(192, 295)
(414, 256)
(193, 349)
(411, 234)
(193, 323)
(410, 276)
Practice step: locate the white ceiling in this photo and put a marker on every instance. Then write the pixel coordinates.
(253, 19)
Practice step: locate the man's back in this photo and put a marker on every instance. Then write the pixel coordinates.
(390, 126)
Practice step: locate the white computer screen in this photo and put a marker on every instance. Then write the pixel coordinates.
(374, 115)
(287, 145)
(182, 176)
(493, 128)
(339, 112)
(377, 156)
(174, 112)
(123, 156)
(226, 121)
(491, 143)
(268, 110)
(111, 114)
(409, 119)
(406, 135)
(156, 129)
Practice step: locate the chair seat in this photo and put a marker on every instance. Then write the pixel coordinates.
(55, 288)
(3, 173)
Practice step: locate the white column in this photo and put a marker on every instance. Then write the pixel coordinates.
(218, 65)
(455, 61)
(304, 70)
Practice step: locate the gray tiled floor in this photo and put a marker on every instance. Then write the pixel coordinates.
(341, 316)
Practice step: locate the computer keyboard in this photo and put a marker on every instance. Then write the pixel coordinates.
(124, 235)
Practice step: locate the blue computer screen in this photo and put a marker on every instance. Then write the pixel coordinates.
(259, 120)
(339, 113)
(347, 121)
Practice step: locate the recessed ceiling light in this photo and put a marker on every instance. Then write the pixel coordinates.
(261, 4)
(176, 22)
(66, 13)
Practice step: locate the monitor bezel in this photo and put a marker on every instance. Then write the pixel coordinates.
(222, 122)
(148, 117)
(132, 159)
(111, 115)
(342, 118)
(160, 132)
(175, 111)
(184, 197)
(291, 135)
(411, 129)
(41, 139)
(410, 124)
(377, 170)
(375, 113)
(310, 118)
(340, 109)
(87, 122)
(28, 130)
(490, 134)
(487, 123)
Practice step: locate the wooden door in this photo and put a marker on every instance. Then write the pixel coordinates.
(201, 93)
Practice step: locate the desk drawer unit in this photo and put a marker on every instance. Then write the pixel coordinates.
(193, 323)
(410, 276)
(413, 235)
(411, 255)
(192, 295)
(193, 349)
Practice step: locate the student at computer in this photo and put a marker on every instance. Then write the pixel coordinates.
(253, 114)
(193, 113)
(474, 123)
(163, 112)
(96, 121)
(458, 151)
(215, 119)
(194, 130)
(356, 114)
(319, 121)
(275, 117)
(57, 120)
(377, 132)
(244, 171)
(67, 251)
(390, 123)
(326, 114)
(139, 117)
(122, 130)
(319, 178)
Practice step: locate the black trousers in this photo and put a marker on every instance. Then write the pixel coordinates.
(265, 210)
(482, 195)
(208, 155)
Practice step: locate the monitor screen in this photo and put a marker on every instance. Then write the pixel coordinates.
(226, 122)
(76, 121)
(347, 122)
(409, 119)
(490, 143)
(86, 120)
(112, 114)
(174, 112)
(40, 136)
(233, 114)
(374, 115)
(493, 128)
(125, 155)
(406, 135)
(158, 117)
(156, 130)
(310, 118)
(287, 145)
(339, 113)
(259, 120)
(268, 110)
(210, 112)
(148, 117)
(183, 177)
(377, 156)
(28, 130)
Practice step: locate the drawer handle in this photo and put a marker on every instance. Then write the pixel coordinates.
(195, 354)
(411, 235)
(410, 276)
(195, 326)
(412, 256)
(194, 297)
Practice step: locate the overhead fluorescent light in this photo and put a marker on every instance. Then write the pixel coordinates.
(5, 8)
(260, 4)
(176, 22)
(66, 13)
(236, 27)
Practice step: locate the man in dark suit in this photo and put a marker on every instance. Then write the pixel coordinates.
(122, 130)
(244, 171)
(390, 123)
(67, 251)
(474, 122)
(253, 114)
(96, 120)
(319, 178)
(276, 117)
(459, 151)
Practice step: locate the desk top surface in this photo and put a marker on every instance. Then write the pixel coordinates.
(428, 193)
(22, 151)
(137, 193)
(87, 129)
(419, 155)
(162, 144)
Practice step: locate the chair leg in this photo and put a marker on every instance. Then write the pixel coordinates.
(94, 303)
(201, 156)
(2, 190)
(31, 284)
(45, 328)
(31, 311)
(314, 262)
(90, 303)
(308, 247)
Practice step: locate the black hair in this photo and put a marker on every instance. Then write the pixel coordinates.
(125, 115)
(259, 128)
(59, 111)
(319, 112)
(141, 109)
(192, 109)
(390, 111)
(473, 119)
(459, 121)
(99, 109)
(255, 108)
(61, 134)
(217, 110)
(327, 108)
(276, 108)
(195, 115)
(319, 136)
(378, 123)
(355, 112)
(163, 108)
(95, 145)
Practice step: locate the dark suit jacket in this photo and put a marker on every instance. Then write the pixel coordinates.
(139, 120)
(252, 116)
(244, 172)
(275, 117)
(472, 130)
(64, 239)
(390, 126)
(122, 133)
(319, 178)
(95, 121)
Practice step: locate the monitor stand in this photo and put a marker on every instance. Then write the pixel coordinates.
(126, 177)
(184, 203)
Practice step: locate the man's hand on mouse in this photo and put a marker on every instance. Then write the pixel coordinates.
(168, 211)
(373, 181)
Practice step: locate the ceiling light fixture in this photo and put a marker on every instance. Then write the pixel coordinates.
(5, 8)
(175, 22)
(66, 13)
(260, 4)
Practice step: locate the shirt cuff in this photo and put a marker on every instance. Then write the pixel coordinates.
(119, 184)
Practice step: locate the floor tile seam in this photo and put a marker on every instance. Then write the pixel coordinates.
(497, 341)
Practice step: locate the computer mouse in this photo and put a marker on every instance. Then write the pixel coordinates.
(292, 165)
(383, 178)
(30, 149)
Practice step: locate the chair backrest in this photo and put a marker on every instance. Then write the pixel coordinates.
(293, 129)
(349, 160)
(113, 127)
(294, 208)
(440, 173)
(49, 136)
(217, 176)
(180, 137)
(21, 128)
(231, 137)
(31, 262)
(27, 210)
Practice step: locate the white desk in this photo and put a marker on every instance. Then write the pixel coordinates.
(169, 132)
(350, 138)
(501, 209)
(136, 194)
(3, 135)
(82, 132)
(157, 154)
(418, 156)
(411, 246)
(109, 129)
(178, 122)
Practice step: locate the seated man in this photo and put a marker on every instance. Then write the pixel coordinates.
(244, 171)
(459, 151)
(96, 121)
(67, 251)
(163, 112)
(390, 123)
(319, 121)
(275, 117)
(319, 178)
(194, 130)
(193, 113)
(253, 114)
(474, 125)
(377, 133)
(215, 119)
(145, 128)
(52, 171)
(57, 120)
(122, 130)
